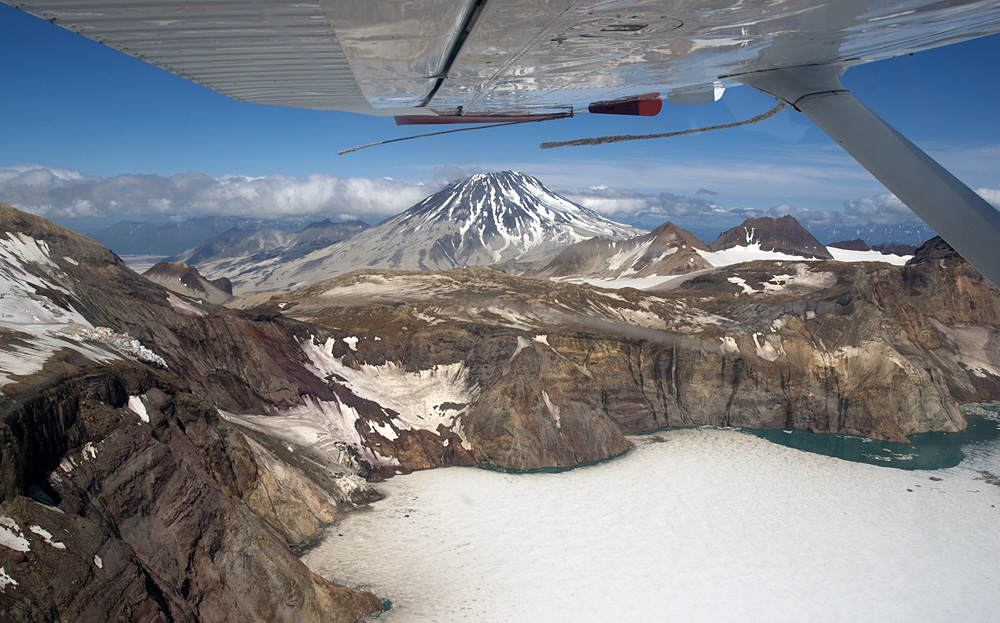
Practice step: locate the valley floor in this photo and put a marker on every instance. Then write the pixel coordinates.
(692, 525)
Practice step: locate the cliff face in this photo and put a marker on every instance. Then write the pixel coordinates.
(145, 506)
(549, 375)
(123, 495)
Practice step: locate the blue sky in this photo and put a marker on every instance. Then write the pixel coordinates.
(89, 132)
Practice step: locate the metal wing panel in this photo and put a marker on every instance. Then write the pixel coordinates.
(279, 52)
(398, 48)
(388, 56)
(526, 55)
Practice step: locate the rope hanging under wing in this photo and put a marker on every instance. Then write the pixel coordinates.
(620, 138)
(478, 127)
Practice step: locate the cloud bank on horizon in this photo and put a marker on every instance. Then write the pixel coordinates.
(64, 194)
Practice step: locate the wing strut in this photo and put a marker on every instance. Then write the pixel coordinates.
(964, 219)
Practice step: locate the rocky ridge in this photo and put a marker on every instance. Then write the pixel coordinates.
(186, 280)
(551, 374)
(667, 250)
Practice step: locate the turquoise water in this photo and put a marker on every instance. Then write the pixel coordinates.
(925, 450)
(979, 441)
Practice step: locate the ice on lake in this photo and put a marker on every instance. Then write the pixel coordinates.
(692, 525)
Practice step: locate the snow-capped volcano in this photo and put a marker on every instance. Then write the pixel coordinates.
(486, 219)
(505, 216)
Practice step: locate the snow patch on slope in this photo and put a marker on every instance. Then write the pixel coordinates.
(847, 255)
(423, 399)
(11, 536)
(136, 405)
(738, 255)
(47, 536)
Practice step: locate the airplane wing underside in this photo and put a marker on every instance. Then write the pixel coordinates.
(462, 59)
(483, 57)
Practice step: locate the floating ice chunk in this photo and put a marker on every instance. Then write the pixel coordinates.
(45, 534)
(98, 561)
(11, 536)
(135, 404)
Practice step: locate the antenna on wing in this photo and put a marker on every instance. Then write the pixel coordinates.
(564, 115)
(621, 138)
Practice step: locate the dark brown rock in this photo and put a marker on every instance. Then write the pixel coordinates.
(158, 519)
(784, 235)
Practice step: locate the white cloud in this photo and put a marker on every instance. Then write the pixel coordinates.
(991, 195)
(806, 216)
(59, 193)
(885, 209)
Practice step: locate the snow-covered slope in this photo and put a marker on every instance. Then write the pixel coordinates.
(40, 313)
(486, 219)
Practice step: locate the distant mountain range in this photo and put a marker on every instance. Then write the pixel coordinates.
(507, 220)
(166, 239)
(236, 251)
(874, 235)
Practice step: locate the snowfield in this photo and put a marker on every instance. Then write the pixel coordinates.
(692, 525)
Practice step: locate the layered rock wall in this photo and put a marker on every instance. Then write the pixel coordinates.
(153, 499)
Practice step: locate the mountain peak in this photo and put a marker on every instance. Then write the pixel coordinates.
(784, 235)
(667, 250)
(669, 232)
(185, 279)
